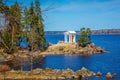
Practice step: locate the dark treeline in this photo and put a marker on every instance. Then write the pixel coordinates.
(104, 31)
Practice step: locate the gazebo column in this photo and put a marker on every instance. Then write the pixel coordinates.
(74, 40)
(65, 38)
(70, 38)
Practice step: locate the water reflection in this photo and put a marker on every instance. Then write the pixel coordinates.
(25, 63)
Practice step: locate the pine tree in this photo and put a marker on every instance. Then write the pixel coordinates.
(40, 27)
(6, 42)
(25, 23)
(31, 21)
(15, 22)
(5, 35)
(2, 6)
(36, 36)
(32, 27)
(84, 37)
(12, 33)
(31, 16)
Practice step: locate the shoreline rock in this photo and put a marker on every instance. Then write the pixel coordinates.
(48, 74)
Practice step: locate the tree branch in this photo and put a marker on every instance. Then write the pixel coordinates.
(50, 7)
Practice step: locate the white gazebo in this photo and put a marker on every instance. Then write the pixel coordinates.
(70, 37)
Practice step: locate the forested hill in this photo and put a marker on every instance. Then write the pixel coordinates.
(104, 31)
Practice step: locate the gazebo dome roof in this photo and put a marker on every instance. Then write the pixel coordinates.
(70, 32)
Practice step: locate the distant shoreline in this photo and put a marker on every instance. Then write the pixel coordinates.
(104, 31)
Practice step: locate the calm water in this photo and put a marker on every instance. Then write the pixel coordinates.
(108, 62)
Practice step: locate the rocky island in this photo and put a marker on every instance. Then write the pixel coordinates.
(84, 46)
(73, 49)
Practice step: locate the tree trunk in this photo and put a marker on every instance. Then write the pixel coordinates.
(12, 35)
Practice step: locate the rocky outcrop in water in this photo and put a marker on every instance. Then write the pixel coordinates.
(73, 48)
(110, 76)
(48, 74)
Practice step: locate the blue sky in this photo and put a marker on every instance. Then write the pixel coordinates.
(74, 14)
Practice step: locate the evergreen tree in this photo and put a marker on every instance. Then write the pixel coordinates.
(40, 27)
(2, 6)
(7, 42)
(31, 16)
(15, 22)
(25, 22)
(32, 27)
(36, 36)
(29, 24)
(84, 37)
(12, 33)
(4, 9)
(5, 34)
